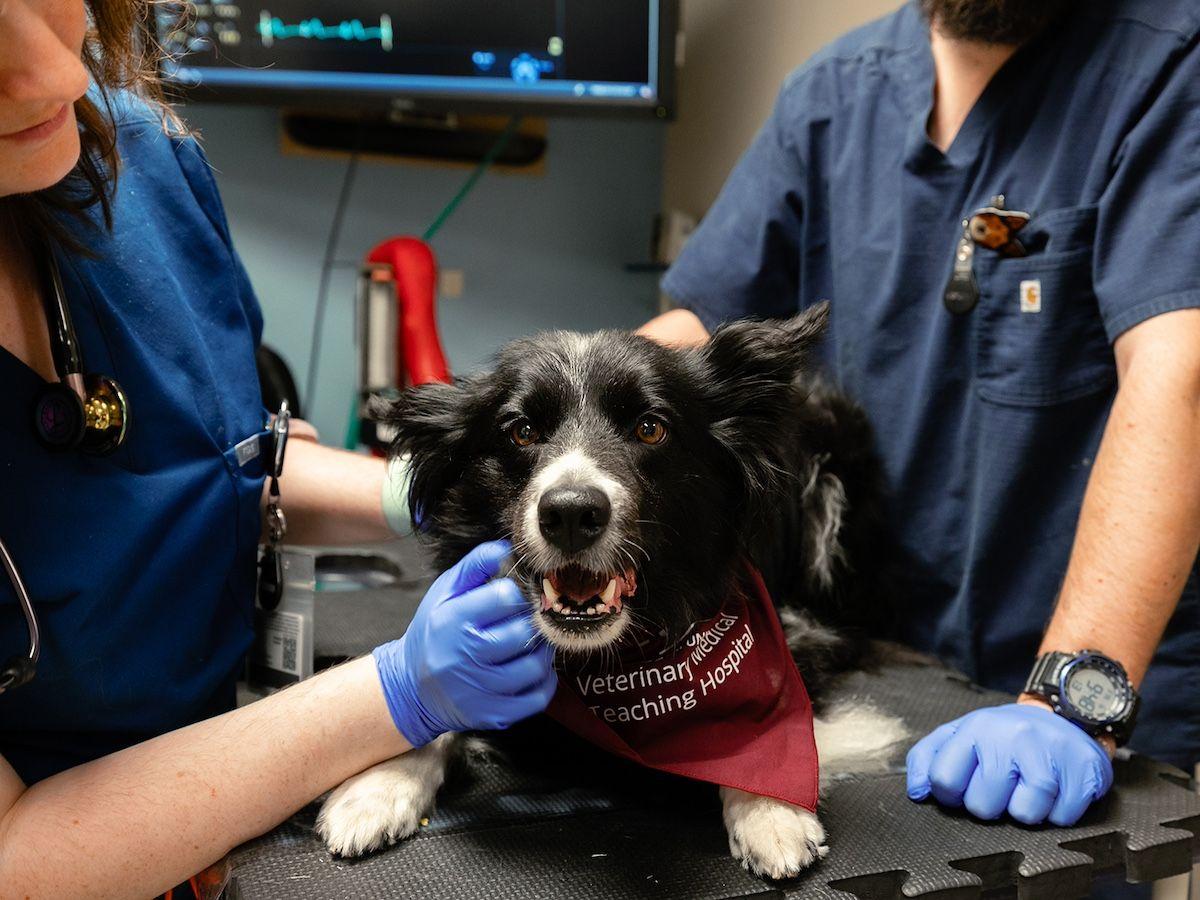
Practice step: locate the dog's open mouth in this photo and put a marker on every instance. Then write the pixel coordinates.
(576, 598)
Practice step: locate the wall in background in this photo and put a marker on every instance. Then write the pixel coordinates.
(537, 251)
(737, 57)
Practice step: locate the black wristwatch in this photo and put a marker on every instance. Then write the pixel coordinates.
(1089, 689)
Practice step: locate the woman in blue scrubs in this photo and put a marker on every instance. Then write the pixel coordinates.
(141, 563)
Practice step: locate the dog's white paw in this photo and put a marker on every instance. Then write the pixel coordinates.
(771, 838)
(366, 812)
(384, 804)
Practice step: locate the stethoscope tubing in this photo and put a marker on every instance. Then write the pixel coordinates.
(64, 346)
(14, 575)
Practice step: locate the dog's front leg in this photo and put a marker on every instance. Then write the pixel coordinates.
(386, 803)
(771, 838)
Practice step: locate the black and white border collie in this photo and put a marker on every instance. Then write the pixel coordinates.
(632, 479)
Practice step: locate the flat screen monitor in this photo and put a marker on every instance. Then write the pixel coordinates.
(475, 55)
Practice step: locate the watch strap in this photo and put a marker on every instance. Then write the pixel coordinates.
(1043, 678)
(1121, 731)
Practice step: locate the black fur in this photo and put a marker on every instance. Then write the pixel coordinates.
(755, 454)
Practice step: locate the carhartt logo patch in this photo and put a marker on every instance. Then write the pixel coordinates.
(1031, 296)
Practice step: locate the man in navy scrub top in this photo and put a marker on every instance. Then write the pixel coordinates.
(1001, 200)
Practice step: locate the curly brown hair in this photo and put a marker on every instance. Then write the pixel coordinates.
(119, 53)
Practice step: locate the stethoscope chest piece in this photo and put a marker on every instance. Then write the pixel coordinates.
(105, 413)
(96, 423)
(85, 411)
(58, 417)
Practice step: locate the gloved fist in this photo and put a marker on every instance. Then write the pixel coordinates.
(471, 657)
(1020, 757)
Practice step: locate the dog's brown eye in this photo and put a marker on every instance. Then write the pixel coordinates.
(523, 433)
(652, 430)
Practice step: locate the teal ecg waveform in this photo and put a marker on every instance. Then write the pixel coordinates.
(272, 29)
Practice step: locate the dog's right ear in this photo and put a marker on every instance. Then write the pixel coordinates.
(432, 425)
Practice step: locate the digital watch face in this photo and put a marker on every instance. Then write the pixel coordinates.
(1094, 691)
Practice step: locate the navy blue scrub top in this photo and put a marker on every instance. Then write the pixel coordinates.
(140, 564)
(988, 422)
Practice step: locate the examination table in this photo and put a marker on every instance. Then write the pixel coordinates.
(512, 829)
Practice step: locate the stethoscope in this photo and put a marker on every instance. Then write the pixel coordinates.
(81, 410)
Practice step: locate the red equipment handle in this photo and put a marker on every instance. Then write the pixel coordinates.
(417, 344)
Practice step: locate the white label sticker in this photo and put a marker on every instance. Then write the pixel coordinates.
(282, 645)
(247, 450)
(1031, 296)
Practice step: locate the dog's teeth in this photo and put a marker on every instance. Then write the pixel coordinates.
(610, 591)
(593, 610)
(558, 607)
(549, 589)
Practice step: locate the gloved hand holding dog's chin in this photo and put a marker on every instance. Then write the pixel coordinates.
(1021, 758)
(471, 658)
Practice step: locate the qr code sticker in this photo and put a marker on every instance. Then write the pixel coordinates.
(281, 643)
(289, 655)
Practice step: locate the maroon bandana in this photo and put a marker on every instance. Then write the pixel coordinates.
(725, 704)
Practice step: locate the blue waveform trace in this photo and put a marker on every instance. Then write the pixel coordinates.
(272, 28)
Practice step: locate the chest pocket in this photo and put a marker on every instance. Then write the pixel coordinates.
(1039, 336)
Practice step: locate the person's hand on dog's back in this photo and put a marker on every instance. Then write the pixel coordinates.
(1020, 758)
(471, 659)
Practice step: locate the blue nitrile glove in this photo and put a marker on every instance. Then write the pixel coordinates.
(471, 657)
(1021, 758)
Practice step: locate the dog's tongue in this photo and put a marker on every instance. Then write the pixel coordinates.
(577, 583)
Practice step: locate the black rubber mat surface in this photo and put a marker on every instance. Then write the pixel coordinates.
(350, 623)
(528, 829)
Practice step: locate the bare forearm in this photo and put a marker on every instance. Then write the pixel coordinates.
(677, 328)
(139, 821)
(1140, 524)
(332, 496)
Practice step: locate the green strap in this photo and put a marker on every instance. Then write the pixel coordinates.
(469, 184)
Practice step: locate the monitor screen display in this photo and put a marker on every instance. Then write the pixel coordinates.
(574, 53)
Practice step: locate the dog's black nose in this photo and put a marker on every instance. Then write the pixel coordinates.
(573, 518)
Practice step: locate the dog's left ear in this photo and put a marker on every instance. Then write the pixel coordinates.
(753, 368)
(774, 347)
